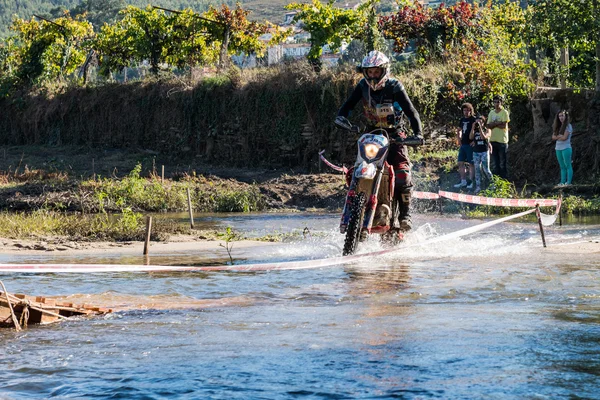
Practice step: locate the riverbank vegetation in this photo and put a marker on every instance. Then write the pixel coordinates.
(57, 192)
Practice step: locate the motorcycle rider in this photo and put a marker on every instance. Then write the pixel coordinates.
(384, 100)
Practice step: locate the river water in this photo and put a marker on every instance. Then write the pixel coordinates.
(488, 315)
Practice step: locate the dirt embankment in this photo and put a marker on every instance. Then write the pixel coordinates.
(303, 192)
(41, 177)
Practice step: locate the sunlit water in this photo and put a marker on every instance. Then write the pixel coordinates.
(489, 315)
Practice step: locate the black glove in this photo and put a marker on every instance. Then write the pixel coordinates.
(415, 140)
(391, 120)
(343, 123)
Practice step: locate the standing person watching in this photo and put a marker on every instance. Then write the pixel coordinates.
(465, 151)
(481, 160)
(497, 121)
(384, 101)
(561, 134)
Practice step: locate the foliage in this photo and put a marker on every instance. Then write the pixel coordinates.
(229, 236)
(26, 9)
(579, 205)
(243, 33)
(125, 226)
(560, 23)
(182, 39)
(132, 191)
(329, 25)
(425, 84)
(98, 12)
(482, 46)
(501, 67)
(41, 51)
(136, 193)
(499, 188)
(373, 38)
(140, 35)
(564, 23)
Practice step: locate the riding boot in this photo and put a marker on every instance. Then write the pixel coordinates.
(402, 192)
(404, 208)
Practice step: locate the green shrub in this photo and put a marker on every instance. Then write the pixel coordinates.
(150, 194)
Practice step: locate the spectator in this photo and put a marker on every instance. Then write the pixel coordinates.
(481, 160)
(561, 134)
(465, 151)
(497, 121)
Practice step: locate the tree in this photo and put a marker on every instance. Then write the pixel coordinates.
(236, 33)
(148, 35)
(329, 25)
(374, 39)
(484, 45)
(566, 24)
(437, 32)
(181, 38)
(190, 44)
(44, 50)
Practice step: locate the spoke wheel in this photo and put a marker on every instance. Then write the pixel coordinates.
(357, 214)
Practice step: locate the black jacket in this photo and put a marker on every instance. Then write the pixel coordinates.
(393, 93)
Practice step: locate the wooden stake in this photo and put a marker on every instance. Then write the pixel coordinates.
(162, 174)
(560, 212)
(12, 312)
(189, 196)
(148, 231)
(539, 218)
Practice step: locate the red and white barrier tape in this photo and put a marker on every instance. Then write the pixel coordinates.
(491, 201)
(465, 198)
(425, 195)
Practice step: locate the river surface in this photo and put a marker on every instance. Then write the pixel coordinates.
(491, 315)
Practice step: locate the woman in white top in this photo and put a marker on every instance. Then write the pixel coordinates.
(561, 134)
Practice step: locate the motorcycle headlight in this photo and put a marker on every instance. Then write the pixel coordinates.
(371, 150)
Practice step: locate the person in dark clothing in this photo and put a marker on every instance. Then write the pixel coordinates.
(465, 151)
(384, 101)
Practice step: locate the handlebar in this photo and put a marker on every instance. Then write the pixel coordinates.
(409, 141)
(345, 124)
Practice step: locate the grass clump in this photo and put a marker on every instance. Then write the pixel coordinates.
(581, 206)
(150, 194)
(125, 226)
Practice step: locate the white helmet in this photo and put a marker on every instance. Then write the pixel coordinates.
(376, 59)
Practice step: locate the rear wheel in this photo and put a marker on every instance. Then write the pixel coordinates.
(357, 214)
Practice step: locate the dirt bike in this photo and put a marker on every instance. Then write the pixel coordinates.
(370, 206)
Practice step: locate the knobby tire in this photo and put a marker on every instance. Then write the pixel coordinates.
(357, 214)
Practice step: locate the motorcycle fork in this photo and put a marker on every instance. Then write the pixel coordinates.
(372, 204)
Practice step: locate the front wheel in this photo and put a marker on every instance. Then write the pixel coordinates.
(357, 214)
